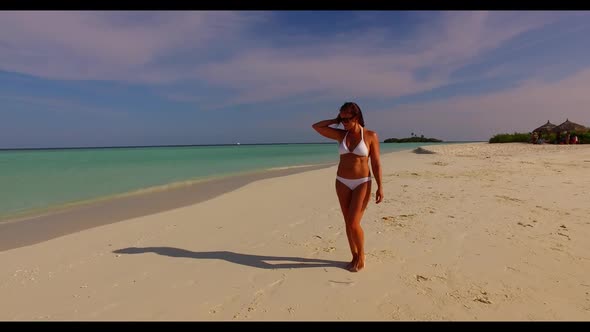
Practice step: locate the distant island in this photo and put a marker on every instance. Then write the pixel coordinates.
(413, 139)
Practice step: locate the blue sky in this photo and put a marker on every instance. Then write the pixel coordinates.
(160, 78)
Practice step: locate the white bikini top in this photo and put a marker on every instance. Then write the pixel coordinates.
(360, 150)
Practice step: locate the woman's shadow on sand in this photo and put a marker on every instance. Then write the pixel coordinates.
(243, 259)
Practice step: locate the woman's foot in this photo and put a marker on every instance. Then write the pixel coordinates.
(357, 265)
(352, 263)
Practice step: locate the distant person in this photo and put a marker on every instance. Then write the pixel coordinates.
(353, 179)
(535, 138)
(574, 140)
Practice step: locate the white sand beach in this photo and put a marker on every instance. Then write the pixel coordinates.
(470, 232)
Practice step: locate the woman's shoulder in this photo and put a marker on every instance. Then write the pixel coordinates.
(370, 133)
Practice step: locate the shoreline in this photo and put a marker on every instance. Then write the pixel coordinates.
(53, 209)
(50, 207)
(167, 187)
(25, 228)
(42, 225)
(34, 228)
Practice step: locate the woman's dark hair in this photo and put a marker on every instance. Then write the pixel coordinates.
(355, 110)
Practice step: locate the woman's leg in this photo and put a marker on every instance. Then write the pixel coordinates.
(344, 196)
(359, 200)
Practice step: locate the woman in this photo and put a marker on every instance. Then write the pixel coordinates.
(353, 179)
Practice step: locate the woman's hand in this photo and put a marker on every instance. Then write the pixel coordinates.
(379, 195)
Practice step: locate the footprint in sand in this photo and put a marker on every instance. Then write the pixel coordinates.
(255, 303)
(335, 283)
(381, 254)
(397, 220)
(421, 278)
(482, 299)
(509, 198)
(565, 235)
(511, 268)
(390, 220)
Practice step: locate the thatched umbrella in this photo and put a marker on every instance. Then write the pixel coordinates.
(546, 128)
(570, 127)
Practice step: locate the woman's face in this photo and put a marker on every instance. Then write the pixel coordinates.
(348, 119)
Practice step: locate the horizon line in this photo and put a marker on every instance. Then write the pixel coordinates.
(190, 145)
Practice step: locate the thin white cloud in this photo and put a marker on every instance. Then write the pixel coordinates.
(520, 109)
(361, 67)
(107, 45)
(132, 46)
(60, 106)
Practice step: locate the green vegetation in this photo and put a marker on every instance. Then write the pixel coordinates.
(413, 139)
(584, 138)
(550, 138)
(510, 138)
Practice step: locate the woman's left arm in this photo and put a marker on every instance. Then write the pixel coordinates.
(376, 166)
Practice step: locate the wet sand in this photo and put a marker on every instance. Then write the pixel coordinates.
(26, 231)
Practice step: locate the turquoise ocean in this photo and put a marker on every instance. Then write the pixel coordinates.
(34, 181)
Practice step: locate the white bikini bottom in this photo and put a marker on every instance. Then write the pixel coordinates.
(353, 183)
